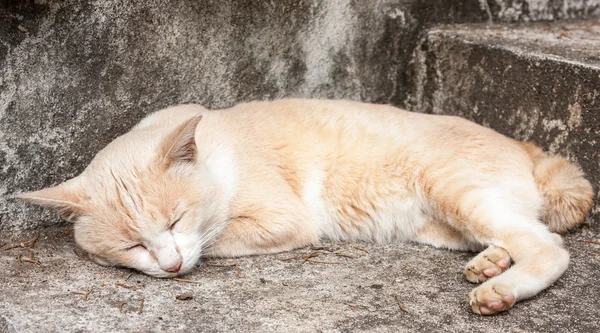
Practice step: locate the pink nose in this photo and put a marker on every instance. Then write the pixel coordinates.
(175, 267)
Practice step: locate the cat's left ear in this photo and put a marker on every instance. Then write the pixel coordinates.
(64, 198)
(180, 145)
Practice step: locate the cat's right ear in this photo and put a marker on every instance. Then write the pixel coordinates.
(63, 198)
(180, 145)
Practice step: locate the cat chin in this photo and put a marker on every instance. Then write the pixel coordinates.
(161, 274)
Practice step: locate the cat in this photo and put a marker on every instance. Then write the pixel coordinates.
(266, 177)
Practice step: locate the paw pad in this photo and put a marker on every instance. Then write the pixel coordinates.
(489, 263)
(491, 298)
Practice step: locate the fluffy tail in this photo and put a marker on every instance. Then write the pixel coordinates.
(568, 196)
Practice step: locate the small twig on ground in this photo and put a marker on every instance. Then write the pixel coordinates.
(186, 281)
(141, 305)
(184, 297)
(239, 270)
(345, 255)
(322, 248)
(32, 242)
(29, 243)
(361, 248)
(129, 276)
(121, 305)
(352, 305)
(119, 284)
(33, 261)
(307, 257)
(591, 241)
(400, 304)
(85, 294)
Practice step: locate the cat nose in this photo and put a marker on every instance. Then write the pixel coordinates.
(175, 267)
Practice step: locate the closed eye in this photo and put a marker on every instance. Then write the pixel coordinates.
(136, 246)
(175, 222)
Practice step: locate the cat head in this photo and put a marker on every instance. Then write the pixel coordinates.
(143, 202)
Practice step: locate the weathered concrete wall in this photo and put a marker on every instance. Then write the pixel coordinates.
(539, 84)
(75, 74)
(538, 10)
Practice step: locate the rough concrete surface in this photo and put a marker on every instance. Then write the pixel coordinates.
(75, 74)
(273, 295)
(538, 10)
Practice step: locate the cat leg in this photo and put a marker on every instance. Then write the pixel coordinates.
(442, 235)
(538, 255)
(487, 264)
(266, 230)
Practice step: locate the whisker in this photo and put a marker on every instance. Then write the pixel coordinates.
(209, 234)
(210, 241)
(209, 237)
(208, 231)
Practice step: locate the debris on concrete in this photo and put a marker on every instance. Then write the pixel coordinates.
(358, 294)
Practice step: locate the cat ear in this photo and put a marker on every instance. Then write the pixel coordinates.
(180, 145)
(62, 198)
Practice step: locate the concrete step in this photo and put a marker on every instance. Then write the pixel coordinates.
(537, 82)
(277, 295)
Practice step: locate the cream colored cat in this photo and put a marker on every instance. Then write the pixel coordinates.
(266, 177)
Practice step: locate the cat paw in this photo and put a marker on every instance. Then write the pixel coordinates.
(487, 264)
(492, 297)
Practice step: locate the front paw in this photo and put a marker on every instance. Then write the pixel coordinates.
(491, 262)
(492, 297)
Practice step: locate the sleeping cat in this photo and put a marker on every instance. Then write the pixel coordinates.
(265, 177)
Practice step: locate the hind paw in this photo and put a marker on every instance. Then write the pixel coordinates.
(491, 262)
(491, 298)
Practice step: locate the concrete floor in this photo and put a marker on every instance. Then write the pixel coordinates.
(271, 294)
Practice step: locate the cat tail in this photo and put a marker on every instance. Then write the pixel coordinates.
(568, 196)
